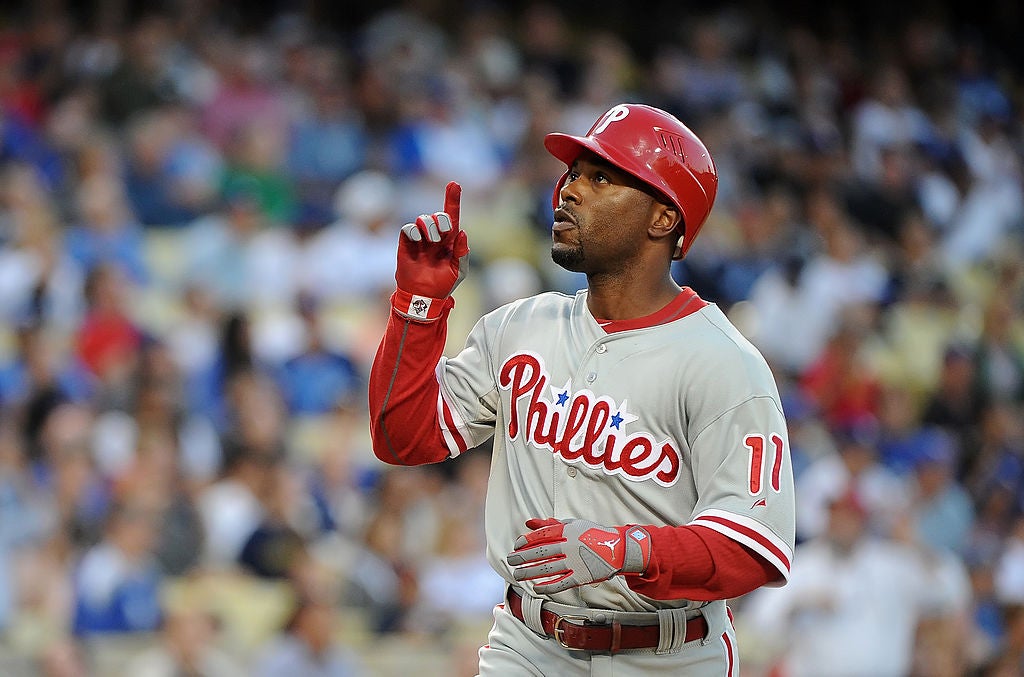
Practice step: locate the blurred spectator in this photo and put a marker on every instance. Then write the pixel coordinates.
(881, 203)
(107, 232)
(853, 467)
(840, 381)
(547, 46)
(237, 256)
(320, 378)
(853, 602)
(956, 403)
(39, 279)
(231, 508)
(1010, 660)
(705, 79)
(919, 324)
(354, 257)
(918, 265)
(399, 536)
(999, 359)
(64, 468)
(137, 80)
(994, 198)
(64, 657)
(188, 646)
(328, 143)
(193, 340)
(941, 510)
(888, 119)
(234, 506)
(443, 138)
(764, 224)
(798, 306)
(208, 388)
(244, 92)
(461, 584)
(277, 547)
(24, 520)
(339, 476)
(902, 438)
(117, 583)
(20, 142)
(307, 646)
(987, 620)
(168, 170)
(38, 367)
(108, 341)
(157, 413)
(1009, 568)
(255, 154)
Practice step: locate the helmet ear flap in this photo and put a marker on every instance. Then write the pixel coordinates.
(677, 254)
(555, 200)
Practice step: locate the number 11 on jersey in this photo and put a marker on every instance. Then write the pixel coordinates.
(757, 446)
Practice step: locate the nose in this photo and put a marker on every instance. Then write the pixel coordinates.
(569, 190)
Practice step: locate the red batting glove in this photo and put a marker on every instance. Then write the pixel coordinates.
(431, 260)
(569, 553)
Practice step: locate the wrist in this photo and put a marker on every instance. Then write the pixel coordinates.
(637, 556)
(420, 308)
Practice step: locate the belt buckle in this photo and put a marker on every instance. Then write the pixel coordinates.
(559, 632)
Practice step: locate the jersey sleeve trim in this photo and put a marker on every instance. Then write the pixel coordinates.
(750, 533)
(449, 419)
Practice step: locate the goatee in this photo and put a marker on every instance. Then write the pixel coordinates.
(570, 258)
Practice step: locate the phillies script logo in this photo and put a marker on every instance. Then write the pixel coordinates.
(581, 427)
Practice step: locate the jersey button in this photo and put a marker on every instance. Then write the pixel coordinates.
(591, 377)
(571, 471)
(602, 349)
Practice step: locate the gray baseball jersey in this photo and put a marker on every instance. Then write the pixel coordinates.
(673, 424)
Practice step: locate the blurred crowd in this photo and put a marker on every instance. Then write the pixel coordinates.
(198, 220)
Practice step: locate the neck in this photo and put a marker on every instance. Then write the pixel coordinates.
(622, 298)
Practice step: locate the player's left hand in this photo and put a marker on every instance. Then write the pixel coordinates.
(565, 554)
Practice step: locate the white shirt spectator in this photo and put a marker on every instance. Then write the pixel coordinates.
(854, 615)
(230, 513)
(346, 261)
(248, 270)
(828, 478)
(793, 322)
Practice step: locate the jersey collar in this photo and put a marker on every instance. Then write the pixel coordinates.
(686, 303)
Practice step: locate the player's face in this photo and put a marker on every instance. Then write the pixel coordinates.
(602, 218)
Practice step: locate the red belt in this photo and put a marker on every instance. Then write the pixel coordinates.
(576, 632)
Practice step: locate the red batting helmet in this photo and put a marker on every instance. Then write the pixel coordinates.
(656, 148)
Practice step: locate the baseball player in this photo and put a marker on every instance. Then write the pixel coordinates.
(640, 472)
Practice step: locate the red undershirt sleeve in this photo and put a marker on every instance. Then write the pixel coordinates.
(403, 391)
(697, 563)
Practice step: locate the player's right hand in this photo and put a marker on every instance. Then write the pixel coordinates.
(432, 250)
(561, 554)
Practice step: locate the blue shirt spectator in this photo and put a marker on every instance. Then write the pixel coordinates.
(107, 232)
(117, 583)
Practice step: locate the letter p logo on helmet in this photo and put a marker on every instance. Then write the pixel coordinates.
(614, 114)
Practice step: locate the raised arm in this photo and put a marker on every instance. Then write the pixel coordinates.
(410, 424)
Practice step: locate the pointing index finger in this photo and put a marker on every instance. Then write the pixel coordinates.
(452, 199)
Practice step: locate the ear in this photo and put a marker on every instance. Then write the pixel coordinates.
(666, 222)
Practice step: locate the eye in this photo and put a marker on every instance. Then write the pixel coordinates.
(572, 176)
(601, 177)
